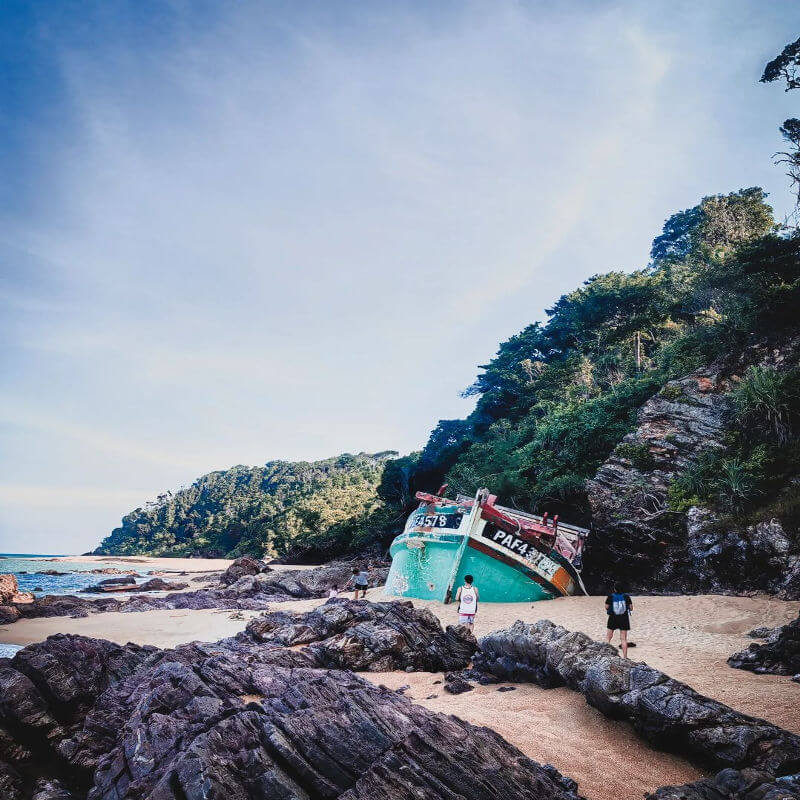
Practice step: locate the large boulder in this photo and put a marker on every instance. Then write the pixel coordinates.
(666, 712)
(237, 720)
(8, 614)
(314, 582)
(731, 784)
(241, 567)
(9, 591)
(379, 637)
(779, 655)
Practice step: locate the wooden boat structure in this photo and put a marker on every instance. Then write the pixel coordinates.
(513, 556)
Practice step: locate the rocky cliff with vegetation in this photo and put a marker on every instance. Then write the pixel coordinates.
(660, 407)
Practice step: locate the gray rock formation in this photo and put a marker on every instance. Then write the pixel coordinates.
(666, 712)
(731, 784)
(359, 635)
(87, 720)
(779, 655)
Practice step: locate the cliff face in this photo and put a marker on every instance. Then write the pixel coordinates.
(642, 539)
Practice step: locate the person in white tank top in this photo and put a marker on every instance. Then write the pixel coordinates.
(467, 598)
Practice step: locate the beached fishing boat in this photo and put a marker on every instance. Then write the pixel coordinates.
(513, 556)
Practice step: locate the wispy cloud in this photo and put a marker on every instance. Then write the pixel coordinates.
(241, 231)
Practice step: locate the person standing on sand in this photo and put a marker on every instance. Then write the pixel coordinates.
(360, 580)
(619, 607)
(467, 598)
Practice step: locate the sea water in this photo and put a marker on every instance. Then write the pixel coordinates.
(76, 575)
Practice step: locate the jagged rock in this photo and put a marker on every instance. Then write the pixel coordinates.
(10, 593)
(66, 605)
(159, 585)
(359, 635)
(543, 653)
(666, 712)
(723, 558)
(241, 567)
(241, 720)
(779, 655)
(8, 614)
(51, 790)
(634, 538)
(764, 632)
(315, 582)
(455, 684)
(730, 784)
(11, 785)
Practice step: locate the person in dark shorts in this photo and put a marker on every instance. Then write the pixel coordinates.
(619, 607)
(360, 580)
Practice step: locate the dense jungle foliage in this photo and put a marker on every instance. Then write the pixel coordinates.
(253, 510)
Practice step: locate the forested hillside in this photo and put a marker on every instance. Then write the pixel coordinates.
(254, 510)
(559, 396)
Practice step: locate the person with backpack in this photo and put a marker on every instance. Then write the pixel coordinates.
(619, 607)
(467, 598)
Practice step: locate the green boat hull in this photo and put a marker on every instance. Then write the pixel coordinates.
(426, 572)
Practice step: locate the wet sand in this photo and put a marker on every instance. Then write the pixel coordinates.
(687, 637)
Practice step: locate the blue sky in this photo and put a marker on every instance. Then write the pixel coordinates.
(238, 231)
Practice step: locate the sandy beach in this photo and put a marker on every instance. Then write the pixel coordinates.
(687, 637)
(142, 563)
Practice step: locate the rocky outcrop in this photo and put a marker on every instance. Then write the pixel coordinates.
(314, 582)
(241, 567)
(635, 537)
(667, 713)
(724, 558)
(379, 637)
(10, 593)
(779, 655)
(237, 720)
(8, 614)
(153, 585)
(731, 784)
(638, 540)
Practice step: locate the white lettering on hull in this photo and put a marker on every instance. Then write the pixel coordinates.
(539, 561)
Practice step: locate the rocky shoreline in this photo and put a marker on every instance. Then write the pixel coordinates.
(247, 584)
(277, 711)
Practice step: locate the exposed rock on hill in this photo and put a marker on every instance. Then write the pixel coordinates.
(636, 537)
(669, 714)
(779, 655)
(641, 540)
(235, 720)
(358, 635)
